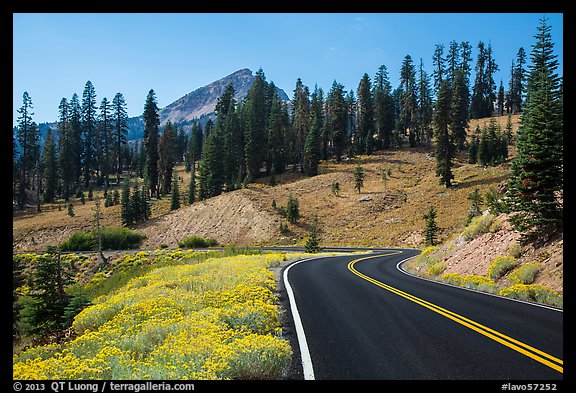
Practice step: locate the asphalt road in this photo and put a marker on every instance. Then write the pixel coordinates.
(362, 318)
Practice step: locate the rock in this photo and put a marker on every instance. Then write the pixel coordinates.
(364, 199)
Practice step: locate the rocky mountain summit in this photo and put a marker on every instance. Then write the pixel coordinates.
(202, 101)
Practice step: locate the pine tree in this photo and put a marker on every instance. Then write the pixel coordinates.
(192, 187)
(408, 99)
(484, 149)
(358, 178)
(277, 129)
(336, 119)
(473, 147)
(365, 117)
(88, 123)
(50, 167)
(459, 109)
(430, 233)
(480, 85)
(383, 108)
(166, 157)
(104, 142)
(292, 209)
(255, 131)
(175, 195)
(423, 108)
(213, 176)
(151, 131)
(444, 147)
(500, 100)
(312, 149)
(28, 140)
(439, 67)
(50, 299)
(519, 80)
(66, 149)
(119, 130)
(70, 209)
(490, 96)
(319, 115)
(125, 209)
(535, 187)
(75, 111)
(313, 240)
(300, 119)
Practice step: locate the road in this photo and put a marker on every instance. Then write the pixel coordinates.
(360, 317)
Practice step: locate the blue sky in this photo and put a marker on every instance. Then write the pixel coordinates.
(55, 54)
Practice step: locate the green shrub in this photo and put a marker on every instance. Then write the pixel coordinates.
(120, 239)
(112, 239)
(525, 274)
(533, 293)
(478, 226)
(480, 283)
(515, 251)
(197, 242)
(437, 268)
(453, 279)
(79, 241)
(500, 267)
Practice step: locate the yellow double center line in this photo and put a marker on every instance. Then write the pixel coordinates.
(525, 349)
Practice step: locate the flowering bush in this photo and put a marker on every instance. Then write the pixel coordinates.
(213, 319)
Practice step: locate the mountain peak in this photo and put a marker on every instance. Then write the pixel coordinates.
(202, 101)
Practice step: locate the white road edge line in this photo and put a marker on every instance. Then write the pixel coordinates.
(473, 290)
(302, 343)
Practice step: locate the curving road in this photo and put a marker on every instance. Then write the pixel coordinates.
(361, 317)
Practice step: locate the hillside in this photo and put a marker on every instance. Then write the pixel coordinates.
(383, 214)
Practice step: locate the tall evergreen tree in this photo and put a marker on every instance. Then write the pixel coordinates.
(318, 115)
(336, 119)
(29, 142)
(255, 131)
(520, 79)
(175, 193)
(126, 215)
(500, 99)
(312, 148)
(452, 60)
(491, 68)
(365, 118)
(166, 157)
(443, 147)
(66, 149)
(383, 108)
(50, 166)
(50, 299)
(300, 119)
(424, 108)
(151, 131)
(459, 109)
(212, 173)
(89, 123)
(535, 187)
(408, 100)
(277, 130)
(119, 130)
(438, 62)
(480, 85)
(358, 178)
(192, 186)
(104, 141)
(76, 136)
(431, 231)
